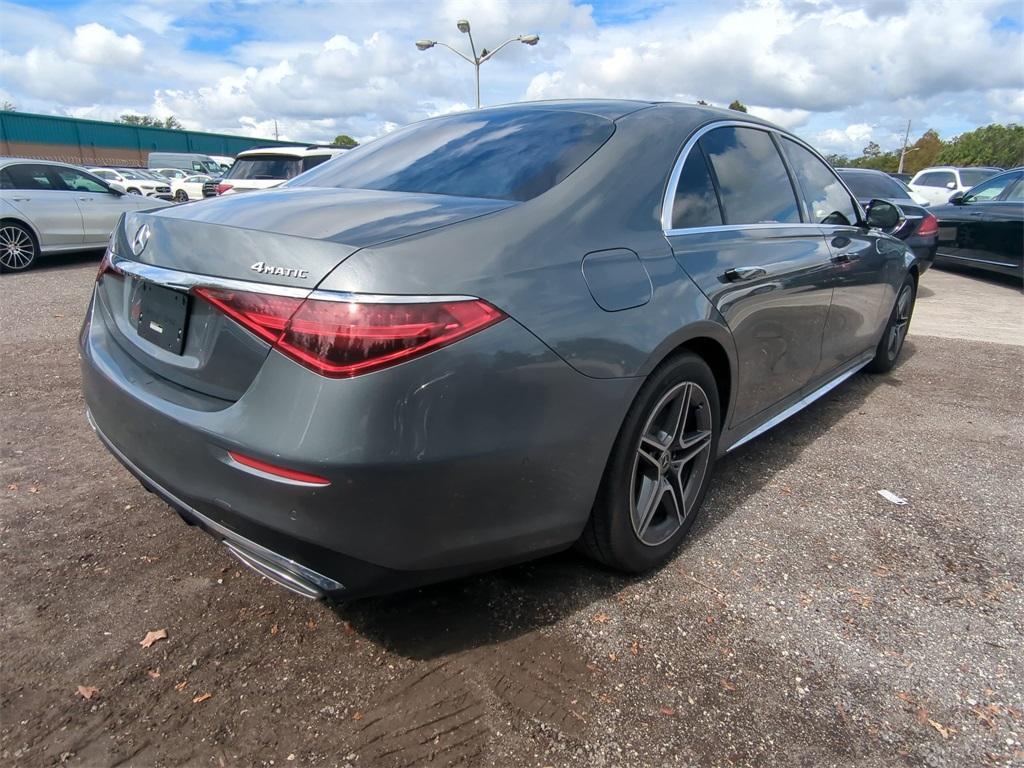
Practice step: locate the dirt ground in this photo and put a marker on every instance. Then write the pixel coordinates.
(806, 622)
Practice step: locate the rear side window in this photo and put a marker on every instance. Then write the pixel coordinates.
(507, 155)
(990, 190)
(752, 181)
(825, 197)
(866, 185)
(695, 203)
(265, 167)
(30, 176)
(973, 176)
(936, 179)
(313, 161)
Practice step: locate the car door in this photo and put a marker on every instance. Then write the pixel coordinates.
(100, 206)
(36, 191)
(863, 292)
(985, 226)
(736, 230)
(937, 186)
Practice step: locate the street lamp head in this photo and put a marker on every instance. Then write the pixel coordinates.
(529, 39)
(463, 25)
(425, 44)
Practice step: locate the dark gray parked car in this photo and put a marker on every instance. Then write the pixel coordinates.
(485, 337)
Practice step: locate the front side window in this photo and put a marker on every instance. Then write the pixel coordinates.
(79, 182)
(31, 176)
(991, 189)
(695, 203)
(752, 181)
(826, 198)
(514, 154)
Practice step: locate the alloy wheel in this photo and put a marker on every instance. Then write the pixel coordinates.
(17, 251)
(901, 322)
(671, 461)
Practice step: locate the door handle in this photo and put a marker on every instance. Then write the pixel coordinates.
(21, 199)
(842, 258)
(737, 274)
(85, 199)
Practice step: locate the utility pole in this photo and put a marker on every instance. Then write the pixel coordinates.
(903, 152)
(277, 137)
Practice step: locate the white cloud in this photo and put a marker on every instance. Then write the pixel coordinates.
(844, 72)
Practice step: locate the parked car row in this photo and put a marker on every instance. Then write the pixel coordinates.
(268, 167)
(135, 181)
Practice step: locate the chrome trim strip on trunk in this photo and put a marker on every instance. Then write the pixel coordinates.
(799, 405)
(174, 278)
(278, 568)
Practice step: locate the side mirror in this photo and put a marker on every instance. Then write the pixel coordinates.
(957, 198)
(950, 185)
(881, 214)
(117, 189)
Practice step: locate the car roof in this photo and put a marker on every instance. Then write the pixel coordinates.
(960, 168)
(9, 160)
(864, 170)
(304, 150)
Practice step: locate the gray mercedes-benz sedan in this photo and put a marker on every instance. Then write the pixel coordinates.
(485, 337)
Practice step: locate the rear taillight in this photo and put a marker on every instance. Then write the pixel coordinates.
(107, 264)
(340, 339)
(929, 225)
(222, 188)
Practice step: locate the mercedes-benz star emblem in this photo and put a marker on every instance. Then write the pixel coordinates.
(141, 238)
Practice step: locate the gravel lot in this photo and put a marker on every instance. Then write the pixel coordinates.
(806, 622)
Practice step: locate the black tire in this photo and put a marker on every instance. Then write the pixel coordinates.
(133, 191)
(19, 248)
(891, 344)
(181, 196)
(615, 534)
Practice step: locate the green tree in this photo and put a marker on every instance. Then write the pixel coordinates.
(703, 103)
(738, 105)
(999, 145)
(8, 106)
(926, 150)
(344, 140)
(871, 150)
(837, 161)
(149, 121)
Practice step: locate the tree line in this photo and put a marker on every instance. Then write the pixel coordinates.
(996, 145)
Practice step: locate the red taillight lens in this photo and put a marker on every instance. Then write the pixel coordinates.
(340, 339)
(107, 265)
(222, 188)
(929, 225)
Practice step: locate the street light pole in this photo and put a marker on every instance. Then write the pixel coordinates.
(485, 55)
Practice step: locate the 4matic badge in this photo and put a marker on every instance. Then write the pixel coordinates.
(266, 269)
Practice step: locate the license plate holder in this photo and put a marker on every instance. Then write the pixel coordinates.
(163, 316)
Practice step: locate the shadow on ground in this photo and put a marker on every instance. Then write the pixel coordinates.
(502, 605)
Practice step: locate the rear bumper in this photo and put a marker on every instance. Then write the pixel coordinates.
(480, 454)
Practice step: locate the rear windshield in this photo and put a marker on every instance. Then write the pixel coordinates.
(975, 176)
(265, 167)
(505, 155)
(871, 185)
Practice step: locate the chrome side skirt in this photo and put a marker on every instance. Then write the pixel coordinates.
(798, 406)
(278, 568)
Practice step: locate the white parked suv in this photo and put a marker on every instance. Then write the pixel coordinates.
(135, 182)
(937, 184)
(268, 167)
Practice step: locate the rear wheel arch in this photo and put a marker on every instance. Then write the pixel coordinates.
(25, 224)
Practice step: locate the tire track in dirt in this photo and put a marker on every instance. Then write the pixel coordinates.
(445, 715)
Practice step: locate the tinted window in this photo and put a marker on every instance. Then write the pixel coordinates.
(826, 198)
(695, 203)
(313, 161)
(508, 155)
(868, 185)
(266, 167)
(991, 189)
(975, 176)
(936, 179)
(1016, 194)
(31, 176)
(79, 181)
(752, 181)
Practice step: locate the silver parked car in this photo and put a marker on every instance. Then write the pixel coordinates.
(53, 207)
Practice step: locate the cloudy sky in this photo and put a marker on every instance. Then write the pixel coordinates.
(838, 72)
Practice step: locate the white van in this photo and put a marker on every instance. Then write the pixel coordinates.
(187, 161)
